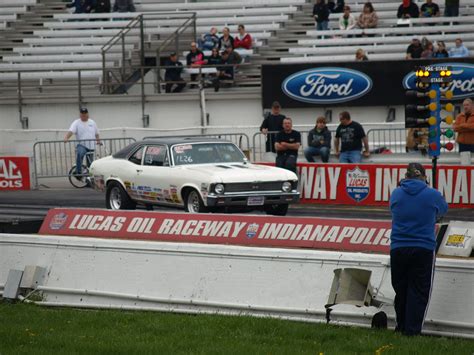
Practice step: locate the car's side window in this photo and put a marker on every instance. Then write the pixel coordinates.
(156, 155)
(136, 157)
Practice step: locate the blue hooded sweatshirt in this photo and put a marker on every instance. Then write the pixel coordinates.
(415, 207)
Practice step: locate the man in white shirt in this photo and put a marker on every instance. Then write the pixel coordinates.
(85, 129)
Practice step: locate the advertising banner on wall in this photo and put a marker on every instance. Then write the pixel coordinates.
(14, 173)
(246, 230)
(372, 184)
(368, 83)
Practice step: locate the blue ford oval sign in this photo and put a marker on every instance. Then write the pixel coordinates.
(462, 85)
(327, 85)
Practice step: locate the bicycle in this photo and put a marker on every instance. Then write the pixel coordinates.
(83, 180)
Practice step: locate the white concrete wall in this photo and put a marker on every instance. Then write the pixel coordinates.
(290, 283)
(226, 114)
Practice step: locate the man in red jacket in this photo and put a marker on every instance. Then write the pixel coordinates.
(243, 39)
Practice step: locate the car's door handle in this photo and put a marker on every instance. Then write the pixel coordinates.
(139, 171)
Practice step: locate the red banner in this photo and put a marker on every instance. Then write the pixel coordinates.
(14, 173)
(372, 184)
(247, 230)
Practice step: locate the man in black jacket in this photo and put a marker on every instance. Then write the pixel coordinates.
(173, 74)
(319, 142)
(273, 122)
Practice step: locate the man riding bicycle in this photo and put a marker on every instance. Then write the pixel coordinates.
(85, 129)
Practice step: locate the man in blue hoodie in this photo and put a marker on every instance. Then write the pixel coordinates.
(415, 208)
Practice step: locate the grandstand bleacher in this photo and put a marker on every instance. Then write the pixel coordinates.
(44, 37)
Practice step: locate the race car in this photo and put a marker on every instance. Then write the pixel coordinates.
(197, 175)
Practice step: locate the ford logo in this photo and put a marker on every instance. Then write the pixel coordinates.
(327, 85)
(462, 85)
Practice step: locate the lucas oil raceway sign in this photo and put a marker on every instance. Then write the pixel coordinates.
(246, 230)
(372, 184)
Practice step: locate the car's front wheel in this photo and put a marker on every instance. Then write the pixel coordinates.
(193, 202)
(277, 210)
(116, 198)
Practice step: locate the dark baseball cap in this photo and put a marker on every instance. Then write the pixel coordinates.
(83, 110)
(415, 171)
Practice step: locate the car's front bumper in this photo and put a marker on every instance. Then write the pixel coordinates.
(242, 199)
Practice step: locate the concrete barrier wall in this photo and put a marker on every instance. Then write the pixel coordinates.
(180, 277)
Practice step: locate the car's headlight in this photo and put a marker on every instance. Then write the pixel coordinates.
(219, 189)
(286, 186)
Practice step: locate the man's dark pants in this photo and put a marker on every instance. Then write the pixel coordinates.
(286, 161)
(412, 270)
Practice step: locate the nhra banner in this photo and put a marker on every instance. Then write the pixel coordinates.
(368, 83)
(372, 184)
(246, 230)
(14, 173)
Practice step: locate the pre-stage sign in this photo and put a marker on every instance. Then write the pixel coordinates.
(247, 230)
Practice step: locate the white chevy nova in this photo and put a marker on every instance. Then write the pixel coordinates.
(199, 175)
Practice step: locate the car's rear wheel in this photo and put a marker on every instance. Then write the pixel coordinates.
(277, 210)
(116, 198)
(193, 202)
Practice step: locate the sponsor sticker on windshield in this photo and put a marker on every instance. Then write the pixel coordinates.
(179, 149)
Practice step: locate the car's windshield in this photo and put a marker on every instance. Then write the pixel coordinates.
(206, 153)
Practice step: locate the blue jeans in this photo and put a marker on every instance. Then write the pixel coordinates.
(466, 147)
(286, 161)
(81, 151)
(322, 26)
(351, 156)
(310, 152)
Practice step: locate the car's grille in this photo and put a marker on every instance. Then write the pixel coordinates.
(253, 186)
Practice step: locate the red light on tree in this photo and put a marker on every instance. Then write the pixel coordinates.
(449, 146)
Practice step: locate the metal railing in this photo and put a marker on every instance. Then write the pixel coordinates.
(395, 139)
(113, 77)
(53, 159)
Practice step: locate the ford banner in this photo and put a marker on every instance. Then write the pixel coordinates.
(369, 83)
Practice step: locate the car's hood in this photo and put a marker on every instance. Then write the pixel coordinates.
(240, 172)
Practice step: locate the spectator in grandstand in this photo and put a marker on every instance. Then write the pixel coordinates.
(272, 122)
(408, 9)
(226, 39)
(350, 135)
(347, 20)
(102, 6)
(215, 57)
(368, 17)
(287, 143)
(459, 51)
(451, 8)
(319, 142)
(195, 59)
(440, 51)
(427, 50)
(173, 74)
(214, 60)
(336, 7)
(429, 9)
(230, 59)
(124, 6)
(464, 126)
(360, 55)
(86, 131)
(243, 39)
(417, 140)
(414, 50)
(321, 15)
(415, 207)
(209, 40)
(82, 6)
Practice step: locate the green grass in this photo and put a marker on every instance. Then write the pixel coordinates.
(37, 330)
